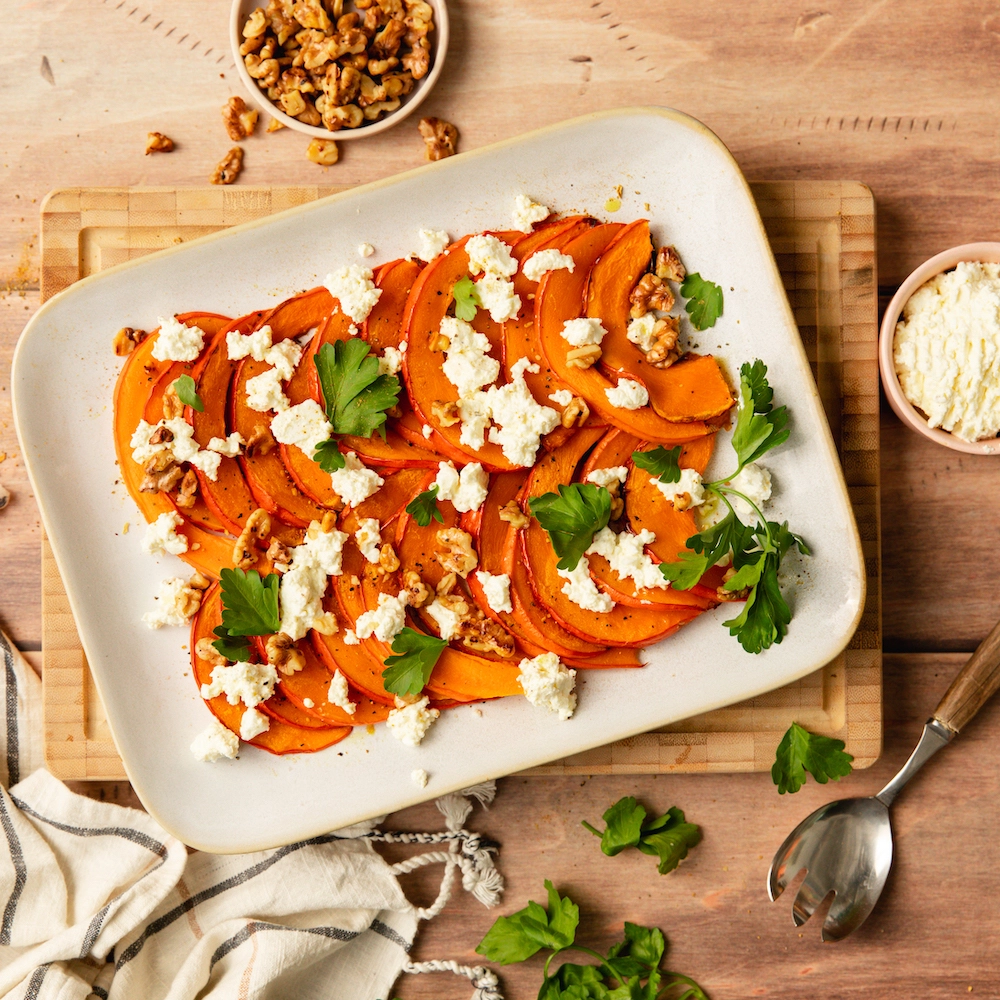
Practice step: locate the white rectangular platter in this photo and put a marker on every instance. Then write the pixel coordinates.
(64, 373)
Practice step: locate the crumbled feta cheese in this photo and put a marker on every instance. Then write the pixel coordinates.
(627, 395)
(351, 638)
(640, 332)
(162, 538)
(467, 365)
(626, 553)
(255, 344)
(308, 703)
(285, 357)
(339, 694)
(546, 260)
(173, 598)
(489, 255)
(946, 350)
(177, 342)
(353, 288)
(409, 723)
(142, 450)
(427, 431)
(548, 684)
(605, 477)
(496, 295)
(365, 250)
(527, 213)
(227, 446)
(303, 586)
(181, 446)
(215, 742)
(369, 538)
(563, 397)
(432, 242)
(689, 483)
(582, 590)
(522, 421)
(391, 361)
(754, 482)
(474, 413)
(264, 392)
(446, 620)
(419, 777)
(583, 331)
(386, 621)
(496, 589)
(253, 723)
(466, 489)
(207, 462)
(250, 683)
(303, 425)
(355, 483)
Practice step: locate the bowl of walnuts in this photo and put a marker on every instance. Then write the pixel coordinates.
(335, 69)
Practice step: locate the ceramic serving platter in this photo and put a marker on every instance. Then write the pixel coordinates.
(669, 168)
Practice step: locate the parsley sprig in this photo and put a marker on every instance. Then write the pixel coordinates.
(629, 971)
(249, 607)
(572, 517)
(664, 463)
(466, 299)
(667, 837)
(800, 751)
(356, 395)
(756, 549)
(410, 670)
(704, 300)
(424, 507)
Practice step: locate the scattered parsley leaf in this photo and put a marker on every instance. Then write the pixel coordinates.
(408, 672)
(356, 395)
(664, 463)
(466, 299)
(424, 507)
(705, 549)
(704, 300)
(572, 517)
(623, 826)
(187, 393)
(755, 377)
(328, 456)
(800, 751)
(232, 647)
(249, 604)
(759, 427)
(522, 934)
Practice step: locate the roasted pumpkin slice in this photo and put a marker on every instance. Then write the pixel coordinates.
(384, 325)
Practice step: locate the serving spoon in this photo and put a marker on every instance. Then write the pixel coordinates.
(845, 847)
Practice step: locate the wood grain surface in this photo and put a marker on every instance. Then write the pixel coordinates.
(901, 96)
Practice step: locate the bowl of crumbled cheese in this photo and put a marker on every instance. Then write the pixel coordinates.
(939, 349)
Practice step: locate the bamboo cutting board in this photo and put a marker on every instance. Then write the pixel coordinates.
(823, 236)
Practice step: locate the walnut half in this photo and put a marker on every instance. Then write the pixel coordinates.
(127, 340)
(323, 151)
(456, 554)
(229, 167)
(240, 121)
(283, 654)
(157, 142)
(440, 137)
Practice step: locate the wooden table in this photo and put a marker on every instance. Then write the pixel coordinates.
(901, 97)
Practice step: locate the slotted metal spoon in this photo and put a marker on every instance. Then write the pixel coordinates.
(845, 847)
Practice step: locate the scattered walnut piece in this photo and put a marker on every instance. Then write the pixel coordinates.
(257, 529)
(323, 151)
(456, 554)
(388, 562)
(583, 357)
(440, 137)
(162, 473)
(260, 442)
(229, 167)
(446, 413)
(731, 595)
(199, 581)
(446, 584)
(681, 501)
(650, 292)
(204, 650)
(157, 142)
(512, 514)
(668, 265)
(172, 405)
(240, 121)
(617, 508)
(187, 492)
(417, 592)
(328, 523)
(665, 351)
(437, 341)
(278, 555)
(274, 125)
(575, 413)
(483, 635)
(127, 340)
(283, 654)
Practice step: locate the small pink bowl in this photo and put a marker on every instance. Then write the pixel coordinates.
(904, 409)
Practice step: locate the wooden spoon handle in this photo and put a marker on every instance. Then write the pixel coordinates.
(974, 686)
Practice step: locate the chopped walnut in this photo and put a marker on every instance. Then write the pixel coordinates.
(664, 351)
(388, 562)
(348, 116)
(446, 584)
(483, 635)
(240, 121)
(375, 111)
(257, 529)
(172, 405)
(278, 555)
(650, 292)
(327, 525)
(417, 592)
(681, 501)
(127, 340)
(731, 595)
(162, 473)
(583, 357)
(157, 142)
(283, 654)
(199, 581)
(445, 413)
(187, 492)
(512, 514)
(437, 341)
(440, 136)
(456, 554)
(162, 435)
(273, 125)
(229, 167)
(323, 151)
(260, 442)
(617, 508)
(575, 413)
(204, 650)
(669, 266)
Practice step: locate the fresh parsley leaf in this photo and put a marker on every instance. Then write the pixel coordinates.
(706, 549)
(755, 377)
(572, 517)
(664, 463)
(356, 395)
(328, 456)
(645, 945)
(522, 934)
(466, 299)
(232, 647)
(249, 604)
(800, 751)
(187, 393)
(424, 507)
(759, 427)
(408, 672)
(669, 838)
(623, 826)
(704, 300)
